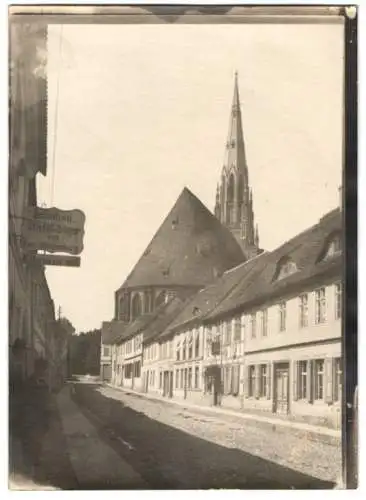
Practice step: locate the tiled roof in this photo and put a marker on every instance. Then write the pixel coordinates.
(190, 248)
(304, 249)
(111, 330)
(135, 327)
(208, 298)
(159, 324)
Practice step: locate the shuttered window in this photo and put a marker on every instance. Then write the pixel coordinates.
(319, 379)
(235, 380)
(320, 306)
(263, 381)
(251, 381)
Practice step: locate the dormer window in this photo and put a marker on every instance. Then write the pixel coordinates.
(285, 267)
(333, 247)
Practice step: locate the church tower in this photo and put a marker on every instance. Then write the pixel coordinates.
(234, 198)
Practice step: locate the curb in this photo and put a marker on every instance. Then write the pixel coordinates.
(326, 435)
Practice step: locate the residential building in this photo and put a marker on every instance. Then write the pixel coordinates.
(28, 156)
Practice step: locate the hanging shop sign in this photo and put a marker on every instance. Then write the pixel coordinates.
(58, 260)
(54, 230)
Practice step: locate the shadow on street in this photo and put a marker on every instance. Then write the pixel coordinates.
(168, 458)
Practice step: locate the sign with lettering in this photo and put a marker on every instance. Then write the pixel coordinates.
(54, 230)
(58, 260)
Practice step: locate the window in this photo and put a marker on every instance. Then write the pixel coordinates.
(237, 330)
(161, 380)
(302, 380)
(264, 321)
(189, 378)
(177, 351)
(136, 306)
(227, 379)
(303, 306)
(320, 306)
(197, 377)
(184, 350)
(137, 369)
(282, 315)
(235, 377)
(263, 381)
(253, 325)
(106, 351)
(251, 381)
(285, 268)
(337, 379)
(181, 378)
(319, 379)
(228, 329)
(338, 300)
(190, 348)
(333, 246)
(176, 379)
(197, 345)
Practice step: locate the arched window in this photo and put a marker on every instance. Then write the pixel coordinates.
(136, 306)
(231, 188)
(240, 189)
(333, 246)
(285, 267)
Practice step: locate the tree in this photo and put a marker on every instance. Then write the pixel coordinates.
(85, 353)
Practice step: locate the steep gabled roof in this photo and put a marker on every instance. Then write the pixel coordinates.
(190, 248)
(304, 249)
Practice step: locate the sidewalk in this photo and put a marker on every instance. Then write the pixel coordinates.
(53, 446)
(96, 465)
(310, 431)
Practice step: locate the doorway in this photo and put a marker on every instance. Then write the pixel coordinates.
(281, 388)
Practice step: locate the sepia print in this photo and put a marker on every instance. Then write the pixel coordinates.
(176, 248)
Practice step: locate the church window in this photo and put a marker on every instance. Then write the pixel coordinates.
(230, 188)
(136, 306)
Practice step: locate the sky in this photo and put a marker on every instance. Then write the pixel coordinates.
(137, 112)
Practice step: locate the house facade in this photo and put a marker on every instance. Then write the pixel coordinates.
(27, 157)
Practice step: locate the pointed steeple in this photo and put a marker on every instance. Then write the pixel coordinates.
(234, 206)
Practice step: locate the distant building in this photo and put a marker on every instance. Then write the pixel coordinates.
(190, 249)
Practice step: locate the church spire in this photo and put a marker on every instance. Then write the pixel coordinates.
(234, 199)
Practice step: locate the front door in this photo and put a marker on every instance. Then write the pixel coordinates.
(281, 388)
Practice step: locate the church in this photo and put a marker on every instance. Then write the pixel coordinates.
(208, 316)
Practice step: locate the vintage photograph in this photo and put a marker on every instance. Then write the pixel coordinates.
(176, 236)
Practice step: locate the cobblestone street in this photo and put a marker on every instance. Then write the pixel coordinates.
(208, 451)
